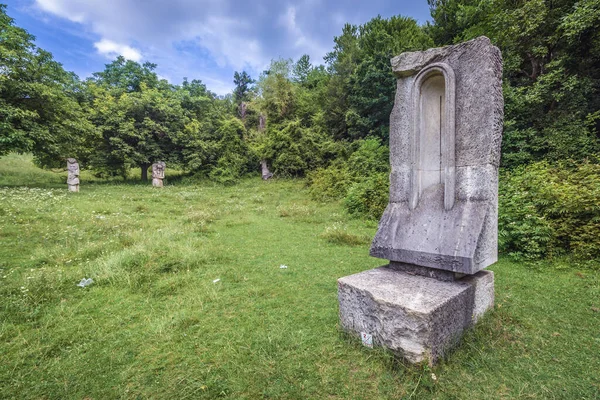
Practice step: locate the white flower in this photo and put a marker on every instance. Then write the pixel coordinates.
(283, 266)
(216, 280)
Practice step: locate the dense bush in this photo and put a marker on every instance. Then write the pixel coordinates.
(368, 197)
(233, 151)
(361, 180)
(547, 210)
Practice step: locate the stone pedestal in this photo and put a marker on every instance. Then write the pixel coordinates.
(157, 182)
(417, 317)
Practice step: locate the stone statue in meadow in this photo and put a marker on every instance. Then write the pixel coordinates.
(158, 173)
(72, 175)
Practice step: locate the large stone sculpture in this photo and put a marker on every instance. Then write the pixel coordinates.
(439, 230)
(72, 175)
(158, 173)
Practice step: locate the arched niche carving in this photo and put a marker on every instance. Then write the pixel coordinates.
(433, 133)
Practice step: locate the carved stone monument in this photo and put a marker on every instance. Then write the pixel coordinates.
(440, 228)
(72, 175)
(158, 173)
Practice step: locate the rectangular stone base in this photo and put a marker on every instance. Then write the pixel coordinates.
(416, 317)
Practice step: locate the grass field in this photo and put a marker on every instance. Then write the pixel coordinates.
(189, 301)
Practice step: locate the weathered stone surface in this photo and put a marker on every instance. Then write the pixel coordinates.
(445, 136)
(418, 318)
(72, 175)
(266, 174)
(439, 274)
(158, 173)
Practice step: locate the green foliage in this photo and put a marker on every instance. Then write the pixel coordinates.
(233, 153)
(369, 197)
(548, 210)
(551, 53)
(361, 91)
(137, 128)
(127, 76)
(330, 183)
(276, 91)
(42, 109)
(243, 83)
(362, 180)
(294, 149)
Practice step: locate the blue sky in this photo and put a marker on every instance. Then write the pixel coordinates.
(197, 39)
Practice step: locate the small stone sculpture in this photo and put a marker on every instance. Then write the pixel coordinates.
(158, 173)
(266, 174)
(73, 175)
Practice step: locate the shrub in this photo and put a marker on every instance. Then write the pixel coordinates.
(368, 198)
(548, 210)
(362, 180)
(228, 170)
(330, 183)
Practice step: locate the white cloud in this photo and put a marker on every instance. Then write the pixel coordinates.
(200, 39)
(302, 43)
(231, 42)
(157, 26)
(112, 49)
(59, 8)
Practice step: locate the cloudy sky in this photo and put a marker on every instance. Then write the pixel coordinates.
(197, 39)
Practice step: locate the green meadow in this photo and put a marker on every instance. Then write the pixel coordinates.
(190, 301)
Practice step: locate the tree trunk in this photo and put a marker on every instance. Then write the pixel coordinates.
(144, 168)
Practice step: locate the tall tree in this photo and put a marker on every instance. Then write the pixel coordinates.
(126, 76)
(140, 118)
(362, 87)
(551, 52)
(42, 107)
(243, 84)
(302, 69)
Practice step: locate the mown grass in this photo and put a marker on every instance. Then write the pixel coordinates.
(155, 324)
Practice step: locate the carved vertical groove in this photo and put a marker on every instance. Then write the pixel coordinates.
(447, 140)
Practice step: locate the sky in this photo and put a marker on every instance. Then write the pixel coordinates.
(196, 39)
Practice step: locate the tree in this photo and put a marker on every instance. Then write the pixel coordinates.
(276, 91)
(302, 69)
(126, 76)
(361, 89)
(203, 112)
(137, 128)
(551, 54)
(42, 107)
(243, 84)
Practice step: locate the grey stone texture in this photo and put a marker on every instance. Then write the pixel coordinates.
(266, 174)
(72, 175)
(439, 274)
(445, 136)
(158, 173)
(416, 317)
